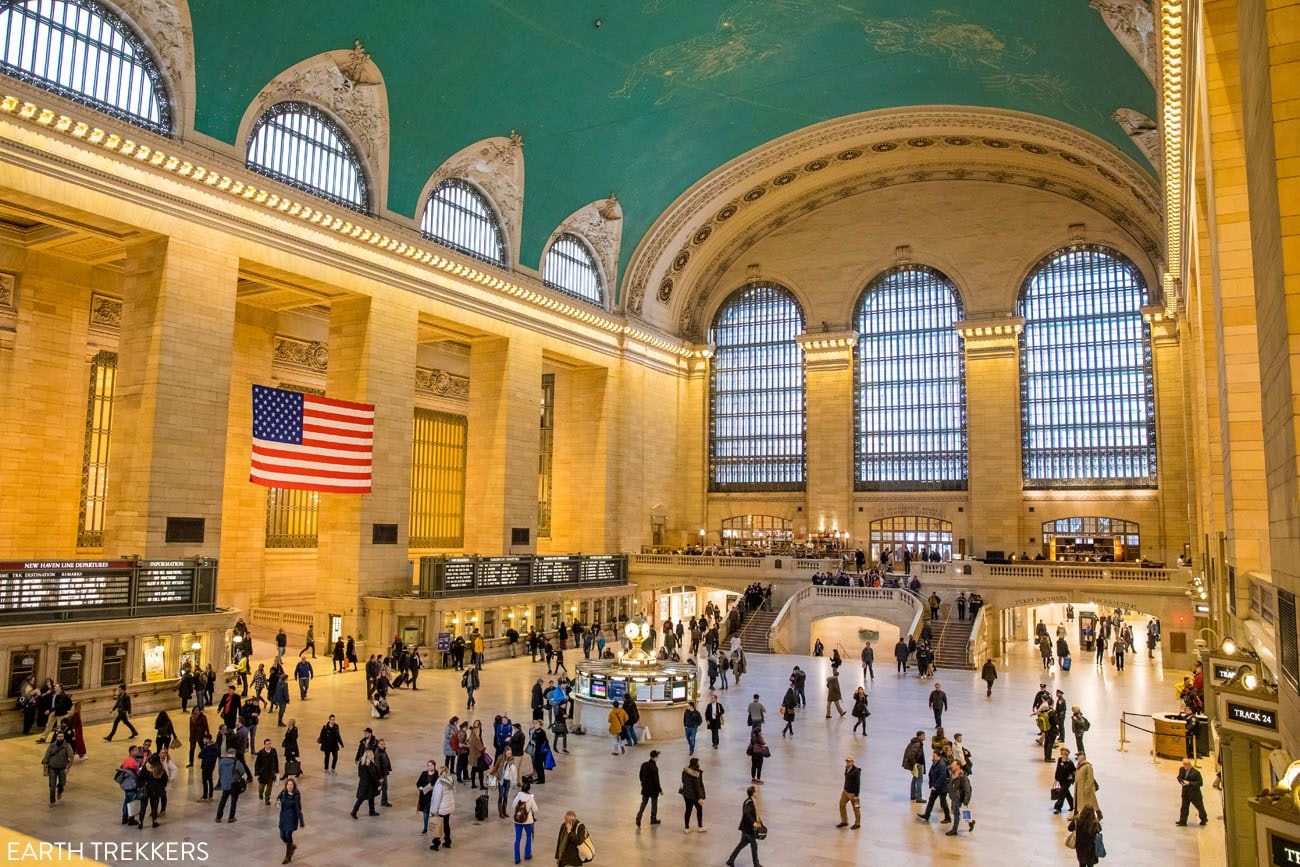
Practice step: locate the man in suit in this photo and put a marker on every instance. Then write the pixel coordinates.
(748, 829)
(1190, 780)
(713, 713)
(938, 789)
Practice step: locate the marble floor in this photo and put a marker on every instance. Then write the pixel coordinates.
(803, 778)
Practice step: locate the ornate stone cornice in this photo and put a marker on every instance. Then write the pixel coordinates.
(827, 350)
(311, 356)
(991, 335)
(439, 383)
(1163, 323)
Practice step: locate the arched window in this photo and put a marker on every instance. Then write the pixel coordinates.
(457, 215)
(1087, 399)
(81, 50)
(756, 393)
(571, 267)
(298, 145)
(910, 384)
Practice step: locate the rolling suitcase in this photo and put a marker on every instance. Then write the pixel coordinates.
(481, 808)
(399, 680)
(1065, 663)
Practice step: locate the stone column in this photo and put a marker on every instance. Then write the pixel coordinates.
(505, 387)
(1269, 42)
(828, 366)
(172, 396)
(372, 350)
(1172, 458)
(992, 347)
(582, 508)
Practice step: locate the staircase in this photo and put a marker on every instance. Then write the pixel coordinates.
(950, 642)
(753, 634)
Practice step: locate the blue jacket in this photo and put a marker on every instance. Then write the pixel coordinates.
(939, 777)
(228, 770)
(208, 757)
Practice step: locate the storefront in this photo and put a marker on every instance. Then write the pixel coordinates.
(1091, 539)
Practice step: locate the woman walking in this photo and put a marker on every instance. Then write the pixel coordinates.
(291, 818)
(572, 835)
(524, 811)
(505, 771)
(198, 731)
(757, 751)
(170, 770)
(368, 778)
(292, 758)
(154, 780)
(166, 732)
(860, 712)
(77, 734)
(442, 803)
(1086, 828)
(693, 794)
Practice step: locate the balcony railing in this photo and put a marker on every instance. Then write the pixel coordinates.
(39, 591)
(442, 577)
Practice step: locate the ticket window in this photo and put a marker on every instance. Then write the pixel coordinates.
(72, 667)
(22, 663)
(112, 668)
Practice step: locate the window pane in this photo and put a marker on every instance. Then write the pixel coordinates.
(1087, 397)
(82, 51)
(910, 384)
(296, 144)
(94, 462)
(438, 455)
(756, 391)
(458, 216)
(571, 268)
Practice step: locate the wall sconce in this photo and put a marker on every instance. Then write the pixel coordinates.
(196, 645)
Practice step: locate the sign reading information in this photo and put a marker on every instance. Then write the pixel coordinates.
(1252, 716)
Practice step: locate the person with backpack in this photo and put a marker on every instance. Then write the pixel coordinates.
(442, 803)
(617, 721)
(232, 783)
(914, 764)
(749, 829)
(127, 777)
(1079, 726)
(573, 842)
(524, 812)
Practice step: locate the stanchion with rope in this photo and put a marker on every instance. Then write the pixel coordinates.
(1124, 725)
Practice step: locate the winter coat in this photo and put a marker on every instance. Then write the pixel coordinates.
(368, 778)
(442, 801)
(566, 847)
(228, 770)
(989, 673)
(291, 818)
(266, 765)
(1085, 788)
(832, 688)
(692, 784)
(330, 739)
(650, 786)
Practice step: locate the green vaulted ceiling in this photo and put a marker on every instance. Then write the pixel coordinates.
(664, 91)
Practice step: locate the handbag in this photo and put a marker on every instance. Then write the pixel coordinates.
(176, 742)
(491, 782)
(1058, 794)
(587, 850)
(1100, 846)
(760, 831)
(1070, 840)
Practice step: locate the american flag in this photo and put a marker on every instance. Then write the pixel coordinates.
(311, 443)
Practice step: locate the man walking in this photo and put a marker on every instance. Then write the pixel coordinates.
(1079, 726)
(651, 789)
(311, 642)
(1190, 779)
(748, 829)
(122, 709)
(939, 776)
(713, 712)
(914, 764)
(849, 795)
(900, 656)
(868, 663)
(938, 703)
(989, 674)
(304, 673)
(58, 756)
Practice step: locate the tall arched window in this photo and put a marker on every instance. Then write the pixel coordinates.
(756, 393)
(1087, 398)
(83, 51)
(910, 384)
(571, 267)
(457, 215)
(297, 144)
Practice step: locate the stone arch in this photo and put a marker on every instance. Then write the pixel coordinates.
(600, 225)
(495, 166)
(776, 278)
(165, 27)
(347, 86)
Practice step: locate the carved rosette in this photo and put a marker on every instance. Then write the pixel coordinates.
(439, 383)
(496, 166)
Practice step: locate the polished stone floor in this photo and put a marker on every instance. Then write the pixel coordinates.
(1015, 824)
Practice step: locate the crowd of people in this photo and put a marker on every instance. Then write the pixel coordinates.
(505, 761)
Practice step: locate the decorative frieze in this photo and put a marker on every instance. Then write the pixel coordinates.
(991, 335)
(311, 356)
(439, 383)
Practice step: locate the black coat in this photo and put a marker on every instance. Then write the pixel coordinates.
(331, 739)
(713, 715)
(650, 786)
(748, 816)
(368, 778)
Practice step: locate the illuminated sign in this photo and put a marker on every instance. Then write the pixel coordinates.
(1286, 853)
(1223, 672)
(1252, 716)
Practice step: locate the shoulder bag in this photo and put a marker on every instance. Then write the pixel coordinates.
(587, 849)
